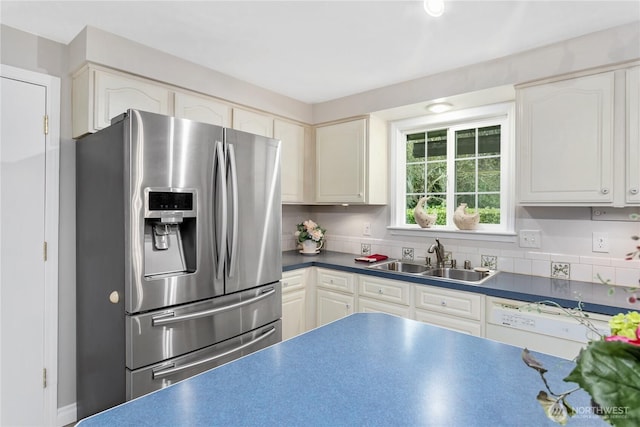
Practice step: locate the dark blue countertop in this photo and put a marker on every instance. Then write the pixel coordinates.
(366, 369)
(597, 298)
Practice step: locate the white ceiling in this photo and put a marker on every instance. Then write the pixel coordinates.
(316, 51)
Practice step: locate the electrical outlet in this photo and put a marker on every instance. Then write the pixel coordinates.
(366, 229)
(601, 242)
(530, 239)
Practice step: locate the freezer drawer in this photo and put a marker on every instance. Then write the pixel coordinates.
(159, 335)
(160, 375)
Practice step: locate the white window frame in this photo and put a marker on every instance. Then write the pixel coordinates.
(472, 117)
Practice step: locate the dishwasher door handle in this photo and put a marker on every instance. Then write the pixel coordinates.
(172, 369)
(170, 317)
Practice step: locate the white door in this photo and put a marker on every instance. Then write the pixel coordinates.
(25, 317)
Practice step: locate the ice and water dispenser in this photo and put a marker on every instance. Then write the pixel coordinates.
(169, 231)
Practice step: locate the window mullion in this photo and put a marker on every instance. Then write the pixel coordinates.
(451, 175)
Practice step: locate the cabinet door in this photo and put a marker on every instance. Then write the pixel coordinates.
(633, 136)
(251, 122)
(332, 306)
(449, 302)
(293, 313)
(291, 159)
(114, 94)
(565, 136)
(201, 109)
(336, 280)
(392, 291)
(340, 162)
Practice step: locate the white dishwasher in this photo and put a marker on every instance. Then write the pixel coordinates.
(540, 328)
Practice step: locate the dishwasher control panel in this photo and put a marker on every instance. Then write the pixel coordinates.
(555, 324)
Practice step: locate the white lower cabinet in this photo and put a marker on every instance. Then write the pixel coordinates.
(294, 303)
(457, 310)
(376, 295)
(334, 295)
(331, 305)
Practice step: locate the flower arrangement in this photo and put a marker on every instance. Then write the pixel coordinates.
(608, 369)
(309, 230)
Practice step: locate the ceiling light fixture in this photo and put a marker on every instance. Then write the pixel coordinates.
(434, 8)
(439, 107)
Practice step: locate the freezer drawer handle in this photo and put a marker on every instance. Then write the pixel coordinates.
(172, 369)
(167, 318)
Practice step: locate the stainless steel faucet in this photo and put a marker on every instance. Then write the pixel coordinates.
(438, 248)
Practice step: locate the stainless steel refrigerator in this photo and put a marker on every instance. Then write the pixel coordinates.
(178, 253)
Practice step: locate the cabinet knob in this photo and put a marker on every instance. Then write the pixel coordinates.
(380, 291)
(605, 191)
(443, 303)
(633, 191)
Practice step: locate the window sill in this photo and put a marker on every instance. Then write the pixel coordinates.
(494, 236)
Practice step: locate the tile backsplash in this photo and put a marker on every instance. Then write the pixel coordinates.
(613, 271)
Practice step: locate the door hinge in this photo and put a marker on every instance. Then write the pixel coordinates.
(44, 377)
(46, 125)
(44, 250)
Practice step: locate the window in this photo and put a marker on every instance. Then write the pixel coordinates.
(454, 158)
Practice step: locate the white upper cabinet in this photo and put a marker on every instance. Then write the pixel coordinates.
(351, 162)
(632, 190)
(256, 123)
(565, 140)
(202, 109)
(579, 140)
(292, 160)
(99, 95)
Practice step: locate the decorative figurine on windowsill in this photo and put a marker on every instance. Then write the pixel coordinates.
(464, 220)
(424, 219)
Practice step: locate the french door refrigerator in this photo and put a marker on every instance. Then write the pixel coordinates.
(178, 253)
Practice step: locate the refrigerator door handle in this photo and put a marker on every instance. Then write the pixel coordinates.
(172, 369)
(221, 238)
(170, 317)
(234, 209)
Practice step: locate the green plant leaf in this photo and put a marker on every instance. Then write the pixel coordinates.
(610, 372)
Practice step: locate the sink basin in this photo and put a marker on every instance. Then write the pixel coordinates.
(458, 274)
(401, 267)
(450, 274)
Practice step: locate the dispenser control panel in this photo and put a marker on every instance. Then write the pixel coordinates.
(170, 201)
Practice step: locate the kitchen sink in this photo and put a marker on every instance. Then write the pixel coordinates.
(457, 274)
(401, 267)
(477, 276)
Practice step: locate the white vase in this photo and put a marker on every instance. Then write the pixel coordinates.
(311, 246)
(464, 220)
(424, 219)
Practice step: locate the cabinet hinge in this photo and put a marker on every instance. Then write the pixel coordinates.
(46, 125)
(44, 377)
(44, 250)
